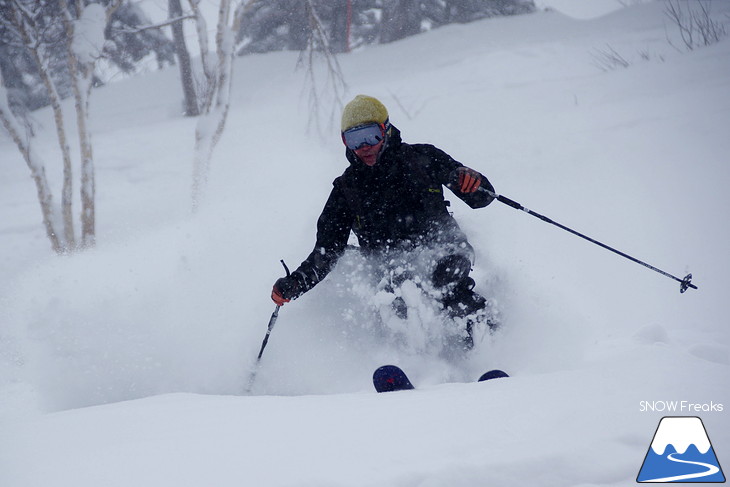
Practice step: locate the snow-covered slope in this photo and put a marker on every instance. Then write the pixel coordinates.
(125, 365)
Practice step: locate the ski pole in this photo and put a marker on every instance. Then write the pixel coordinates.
(685, 282)
(272, 322)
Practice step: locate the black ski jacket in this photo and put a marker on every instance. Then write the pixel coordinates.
(397, 204)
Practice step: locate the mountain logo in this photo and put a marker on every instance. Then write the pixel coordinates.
(681, 452)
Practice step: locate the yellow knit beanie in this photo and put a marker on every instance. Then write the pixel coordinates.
(361, 110)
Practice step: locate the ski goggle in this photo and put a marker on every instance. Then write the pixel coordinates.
(370, 134)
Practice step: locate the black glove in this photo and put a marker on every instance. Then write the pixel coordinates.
(286, 288)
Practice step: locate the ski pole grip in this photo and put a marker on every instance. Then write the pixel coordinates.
(502, 199)
(509, 202)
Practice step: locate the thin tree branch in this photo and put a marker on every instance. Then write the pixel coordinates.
(155, 26)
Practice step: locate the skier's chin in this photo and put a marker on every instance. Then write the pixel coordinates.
(369, 154)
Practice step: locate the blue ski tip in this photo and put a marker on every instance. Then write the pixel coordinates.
(390, 378)
(492, 374)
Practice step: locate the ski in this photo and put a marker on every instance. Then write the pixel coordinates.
(389, 378)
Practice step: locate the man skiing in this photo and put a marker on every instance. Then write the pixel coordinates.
(391, 197)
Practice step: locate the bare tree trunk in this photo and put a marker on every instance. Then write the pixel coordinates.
(208, 80)
(216, 96)
(81, 74)
(38, 173)
(27, 29)
(183, 59)
(88, 172)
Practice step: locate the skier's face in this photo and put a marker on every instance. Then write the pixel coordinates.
(369, 153)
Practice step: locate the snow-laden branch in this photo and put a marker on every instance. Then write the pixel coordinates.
(87, 32)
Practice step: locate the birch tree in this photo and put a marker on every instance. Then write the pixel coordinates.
(214, 97)
(183, 59)
(217, 68)
(51, 218)
(38, 26)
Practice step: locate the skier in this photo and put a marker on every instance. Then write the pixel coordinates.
(391, 197)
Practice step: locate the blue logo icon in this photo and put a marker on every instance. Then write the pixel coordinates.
(681, 452)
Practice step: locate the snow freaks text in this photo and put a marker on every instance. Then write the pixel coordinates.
(680, 407)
